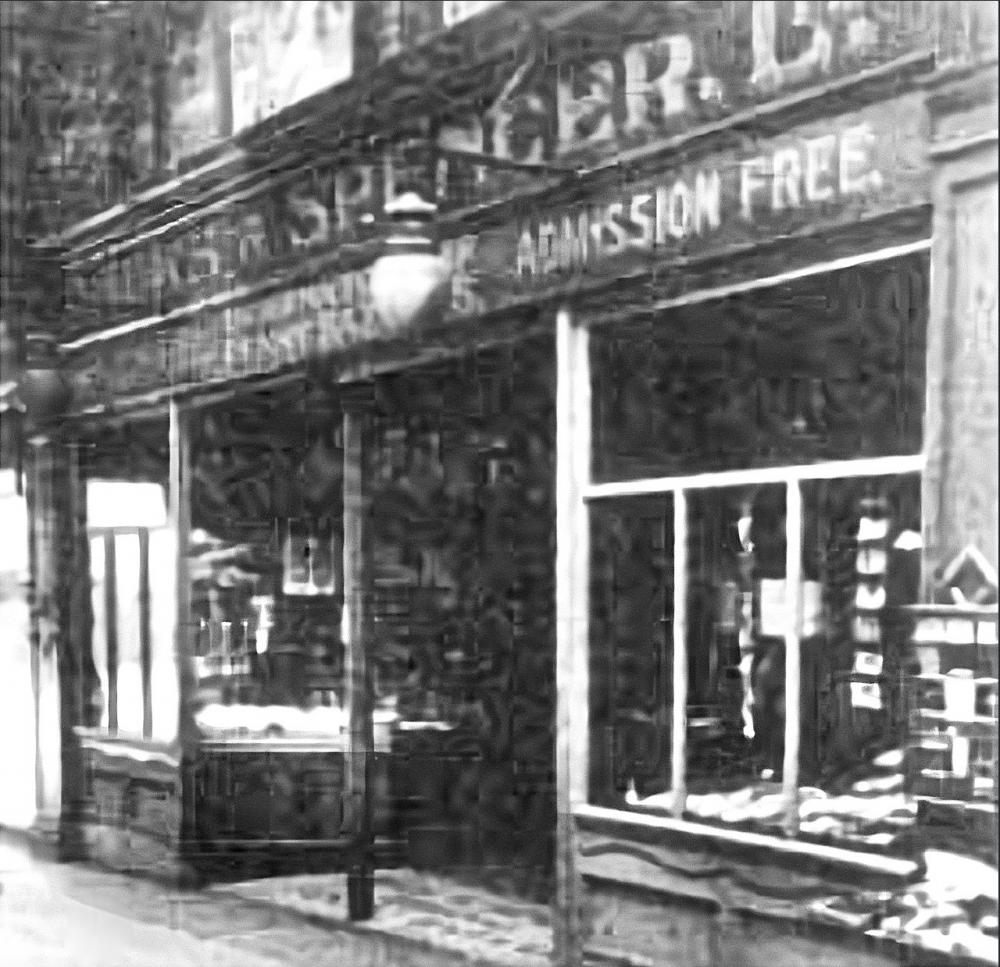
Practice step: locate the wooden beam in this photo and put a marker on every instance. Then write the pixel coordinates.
(740, 839)
(573, 452)
(793, 662)
(831, 470)
(714, 293)
(678, 749)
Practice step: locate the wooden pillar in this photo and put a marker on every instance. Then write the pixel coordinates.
(357, 671)
(960, 425)
(573, 443)
(678, 752)
(793, 657)
(179, 510)
(44, 674)
(179, 522)
(62, 666)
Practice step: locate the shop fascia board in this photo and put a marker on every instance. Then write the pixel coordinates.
(349, 99)
(534, 305)
(833, 97)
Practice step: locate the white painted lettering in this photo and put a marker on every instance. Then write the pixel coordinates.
(642, 220)
(547, 256)
(310, 223)
(667, 90)
(527, 260)
(575, 248)
(353, 191)
(787, 191)
(661, 208)
(596, 226)
(612, 222)
(856, 172)
(819, 167)
(679, 210)
(586, 118)
(754, 176)
(707, 201)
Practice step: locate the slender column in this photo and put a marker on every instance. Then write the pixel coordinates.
(111, 627)
(678, 751)
(793, 663)
(145, 635)
(61, 664)
(47, 771)
(179, 521)
(179, 498)
(573, 445)
(357, 673)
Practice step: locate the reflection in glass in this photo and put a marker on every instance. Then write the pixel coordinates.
(631, 647)
(736, 627)
(99, 635)
(129, 635)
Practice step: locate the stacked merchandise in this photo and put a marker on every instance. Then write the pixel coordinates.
(870, 601)
(953, 697)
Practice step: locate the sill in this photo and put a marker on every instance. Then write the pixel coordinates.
(131, 747)
(836, 864)
(278, 744)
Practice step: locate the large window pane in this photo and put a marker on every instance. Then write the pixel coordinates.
(862, 545)
(860, 563)
(631, 648)
(163, 675)
(826, 368)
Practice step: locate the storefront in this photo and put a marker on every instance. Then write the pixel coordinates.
(688, 332)
(759, 727)
(238, 546)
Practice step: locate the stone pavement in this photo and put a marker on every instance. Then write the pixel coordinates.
(461, 924)
(72, 915)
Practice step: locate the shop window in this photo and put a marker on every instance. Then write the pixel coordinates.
(734, 633)
(122, 639)
(858, 562)
(755, 522)
(631, 647)
(131, 571)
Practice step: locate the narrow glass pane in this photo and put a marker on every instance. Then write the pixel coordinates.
(631, 651)
(129, 665)
(99, 637)
(862, 547)
(737, 619)
(164, 686)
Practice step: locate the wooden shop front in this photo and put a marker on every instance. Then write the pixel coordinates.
(687, 333)
(420, 494)
(746, 731)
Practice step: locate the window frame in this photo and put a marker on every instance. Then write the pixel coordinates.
(792, 477)
(575, 491)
